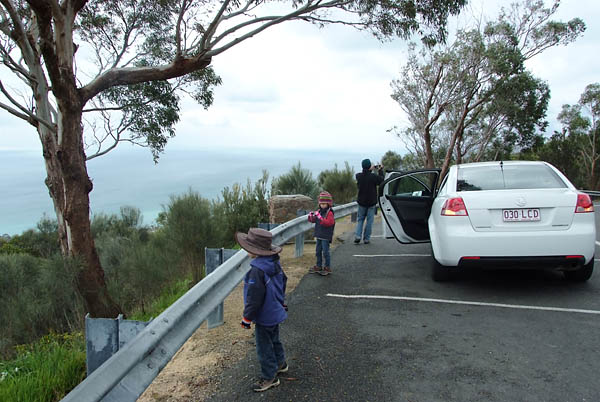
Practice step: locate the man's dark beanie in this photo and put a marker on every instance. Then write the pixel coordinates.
(366, 164)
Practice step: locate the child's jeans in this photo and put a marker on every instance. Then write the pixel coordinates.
(269, 350)
(323, 251)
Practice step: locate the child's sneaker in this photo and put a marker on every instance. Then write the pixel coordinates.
(325, 271)
(263, 385)
(314, 270)
(283, 368)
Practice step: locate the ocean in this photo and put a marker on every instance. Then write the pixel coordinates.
(129, 177)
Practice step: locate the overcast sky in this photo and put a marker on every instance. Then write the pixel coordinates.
(295, 86)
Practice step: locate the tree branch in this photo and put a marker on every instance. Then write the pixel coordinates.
(25, 114)
(184, 8)
(135, 75)
(15, 67)
(27, 117)
(213, 25)
(20, 34)
(43, 14)
(273, 20)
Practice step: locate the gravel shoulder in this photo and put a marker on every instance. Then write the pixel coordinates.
(194, 372)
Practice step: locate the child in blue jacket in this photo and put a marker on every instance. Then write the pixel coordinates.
(264, 304)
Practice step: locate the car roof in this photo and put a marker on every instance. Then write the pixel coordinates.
(478, 164)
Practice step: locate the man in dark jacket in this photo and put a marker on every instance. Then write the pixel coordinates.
(264, 304)
(367, 182)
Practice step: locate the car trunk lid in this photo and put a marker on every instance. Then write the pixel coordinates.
(520, 210)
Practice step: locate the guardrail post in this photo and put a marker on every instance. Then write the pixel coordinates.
(213, 257)
(105, 336)
(101, 341)
(300, 238)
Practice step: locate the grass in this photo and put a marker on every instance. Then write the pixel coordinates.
(44, 371)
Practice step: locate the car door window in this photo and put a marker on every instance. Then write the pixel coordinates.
(414, 185)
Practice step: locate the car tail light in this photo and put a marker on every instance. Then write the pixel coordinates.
(584, 204)
(454, 207)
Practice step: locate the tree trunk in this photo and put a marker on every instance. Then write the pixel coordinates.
(459, 150)
(429, 163)
(69, 187)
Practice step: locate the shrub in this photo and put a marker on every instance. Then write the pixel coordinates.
(189, 227)
(137, 264)
(340, 183)
(242, 208)
(296, 181)
(168, 296)
(125, 225)
(36, 296)
(392, 160)
(40, 242)
(135, 271)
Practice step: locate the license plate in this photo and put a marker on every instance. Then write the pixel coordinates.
(521, 215)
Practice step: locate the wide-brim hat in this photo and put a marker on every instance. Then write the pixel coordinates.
(257, 242)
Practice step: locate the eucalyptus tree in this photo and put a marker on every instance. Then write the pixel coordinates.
(511, 118)
(90, 74)
(581, 123)
(477, 87)
(426, 88)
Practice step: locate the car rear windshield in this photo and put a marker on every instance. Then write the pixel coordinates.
(496, 177)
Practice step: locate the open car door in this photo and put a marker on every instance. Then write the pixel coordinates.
(405, 201)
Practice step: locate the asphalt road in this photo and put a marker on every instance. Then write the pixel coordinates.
(519, 336)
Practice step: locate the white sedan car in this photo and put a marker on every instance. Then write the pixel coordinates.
(493, 214)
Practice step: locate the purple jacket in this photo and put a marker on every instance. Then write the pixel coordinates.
(264, 291)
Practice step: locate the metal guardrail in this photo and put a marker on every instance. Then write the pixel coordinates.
(126, 375)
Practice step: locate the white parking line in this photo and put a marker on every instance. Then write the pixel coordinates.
(470, 303)
(598, 243)
(403, 255)
(390, 255)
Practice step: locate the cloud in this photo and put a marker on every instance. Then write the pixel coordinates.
(298, 86)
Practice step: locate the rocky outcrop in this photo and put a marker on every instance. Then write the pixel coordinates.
(283, 208)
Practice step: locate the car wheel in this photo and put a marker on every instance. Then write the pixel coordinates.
(582, 274)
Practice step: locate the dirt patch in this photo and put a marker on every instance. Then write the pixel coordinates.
(193, 373)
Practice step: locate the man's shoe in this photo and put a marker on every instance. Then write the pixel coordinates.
(325, 271)
(356, 241)
(314, 270)
(367, 242)
(263, 385)
(283, 368)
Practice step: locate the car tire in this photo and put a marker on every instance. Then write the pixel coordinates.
(582, 274)
(439, 272)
